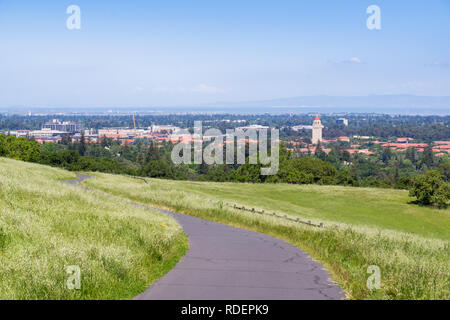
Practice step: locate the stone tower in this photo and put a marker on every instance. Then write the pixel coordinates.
(317, 130)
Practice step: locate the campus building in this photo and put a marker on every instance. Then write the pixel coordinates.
(342, 121)
(66, 126)
(317, 130)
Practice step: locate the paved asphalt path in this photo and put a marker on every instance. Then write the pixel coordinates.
(228, 263)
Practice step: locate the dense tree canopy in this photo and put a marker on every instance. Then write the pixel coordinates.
(431, 189)
(19, 148)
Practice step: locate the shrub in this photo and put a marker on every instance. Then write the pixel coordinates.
(431, 189)
(19, 148)
(305, 171)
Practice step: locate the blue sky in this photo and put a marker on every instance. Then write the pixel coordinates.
(168, 53)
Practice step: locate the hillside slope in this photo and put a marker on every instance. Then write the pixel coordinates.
(363, 227)
(386, 209)
(46, 226)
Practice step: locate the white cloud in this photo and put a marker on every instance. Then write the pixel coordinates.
(351, 60)
(201, 88)
(439, 64)
(354, 60)
(138, 89)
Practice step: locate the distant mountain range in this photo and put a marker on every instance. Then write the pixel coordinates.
(388, 104)
(365, 104)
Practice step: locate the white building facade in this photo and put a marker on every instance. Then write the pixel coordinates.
(317, 131)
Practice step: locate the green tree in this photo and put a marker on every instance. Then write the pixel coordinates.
(3, 147)
(319, 153)
(411, 154)
(431, 189)
(152, 153)
(305, 171)
(444, 168)
(68, 157)
(386, 155)
(428, 157)
(442, 195)
(66, 139)
(157, 169)
(20, 149)
(82, 146)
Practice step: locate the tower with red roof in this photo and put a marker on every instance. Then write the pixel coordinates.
(317, 131)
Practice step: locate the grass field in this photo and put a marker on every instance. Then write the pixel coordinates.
(46, 226)
(364, 227)
(379, 208)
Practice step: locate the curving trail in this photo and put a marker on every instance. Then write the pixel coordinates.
(228, 263)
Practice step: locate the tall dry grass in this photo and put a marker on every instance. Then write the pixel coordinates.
(46, 226)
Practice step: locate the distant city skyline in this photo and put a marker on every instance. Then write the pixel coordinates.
(140, 54)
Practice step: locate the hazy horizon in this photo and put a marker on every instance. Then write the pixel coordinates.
(381, 104)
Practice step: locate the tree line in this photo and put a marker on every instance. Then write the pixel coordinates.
(426, 177)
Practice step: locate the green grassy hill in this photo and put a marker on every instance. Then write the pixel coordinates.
(363, 227)
(46, 226)
(373, 207)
